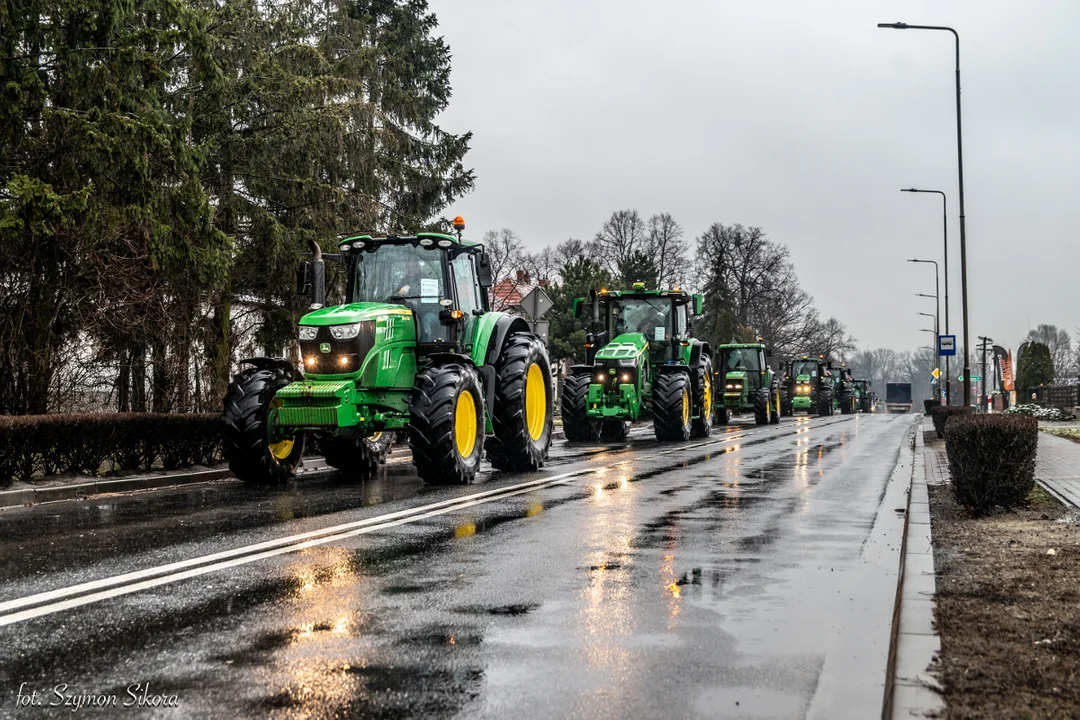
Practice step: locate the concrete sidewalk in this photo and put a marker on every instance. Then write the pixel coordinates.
(1057, 468)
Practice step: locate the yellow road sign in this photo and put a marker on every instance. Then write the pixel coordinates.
(936, 373)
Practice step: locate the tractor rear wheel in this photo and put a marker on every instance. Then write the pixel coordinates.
(446, 424)
(824, 401)
(522, 419)
(614, 430)
(703, 398)
(356, 456)
(576, 423)
(865, 404)
(248, 423)
(722, 416)
(845, 399)
(761, 406)
(672, 406)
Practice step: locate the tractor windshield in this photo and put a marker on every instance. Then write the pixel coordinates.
(742, 359)
(805, 367)
(651, 316)
(405, 274)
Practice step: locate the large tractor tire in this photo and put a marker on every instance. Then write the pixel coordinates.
(722, 416)
(577, 426)
(446, 424)
(359, 457)
(824, 401)
(614, 430)
(865, 405)
(845, 398)
(774, 408)
(671, 406)
(761, 406)
(787, 405)
(701, 426)
(251, 455)
(523, 415)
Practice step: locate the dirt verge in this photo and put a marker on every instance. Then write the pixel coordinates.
(1008, 609)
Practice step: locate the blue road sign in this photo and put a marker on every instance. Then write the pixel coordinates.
(946, 345)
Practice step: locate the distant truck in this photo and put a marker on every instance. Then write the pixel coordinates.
(898, 397)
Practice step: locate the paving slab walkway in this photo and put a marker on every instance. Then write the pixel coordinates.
(1058, 467)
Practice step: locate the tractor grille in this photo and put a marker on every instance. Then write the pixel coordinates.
(352, 352)
(308, 416)
(611, 382)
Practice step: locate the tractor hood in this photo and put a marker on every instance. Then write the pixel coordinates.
(736, 375)
(624, 347)
(352, 313)
(804, 378)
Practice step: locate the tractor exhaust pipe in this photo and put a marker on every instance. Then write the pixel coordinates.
(318, 277)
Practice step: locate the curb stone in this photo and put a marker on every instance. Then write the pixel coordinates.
(34, 496)
(915, 692)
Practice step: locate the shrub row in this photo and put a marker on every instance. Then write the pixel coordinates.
(941, 414)
(992, 459)
(929, 404)
(40, 445)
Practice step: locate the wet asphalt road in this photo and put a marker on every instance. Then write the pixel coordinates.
(713, 578)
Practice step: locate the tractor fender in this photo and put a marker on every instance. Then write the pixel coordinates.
(265, 363)
(486, 372)
(504, 326)
(699, 349)
(582, 369)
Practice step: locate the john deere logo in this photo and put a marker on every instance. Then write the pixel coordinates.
(325, 348)
(612, 371)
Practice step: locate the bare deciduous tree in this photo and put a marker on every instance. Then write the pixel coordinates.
(666, 246)
(622, 235)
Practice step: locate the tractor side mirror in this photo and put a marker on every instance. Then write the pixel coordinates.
(578, 302)
(483, 270)
(303, 278)
(699, 303)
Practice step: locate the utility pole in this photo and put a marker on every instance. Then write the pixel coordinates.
(982, 401)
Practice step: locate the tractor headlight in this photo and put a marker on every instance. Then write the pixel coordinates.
(344, 332)
(308, 332)
(600, 378)
(626, 377)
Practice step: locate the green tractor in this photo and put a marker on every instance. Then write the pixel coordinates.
(808, 385)
(415, 347)
(640, 359)
(748, 383)
(844, 389)
(864, 397)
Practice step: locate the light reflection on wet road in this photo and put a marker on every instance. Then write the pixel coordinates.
(705, 581)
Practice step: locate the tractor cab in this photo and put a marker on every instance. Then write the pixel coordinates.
(808, 385)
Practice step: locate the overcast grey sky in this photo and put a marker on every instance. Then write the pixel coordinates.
(802, 118)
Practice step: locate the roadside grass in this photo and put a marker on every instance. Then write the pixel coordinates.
(1070, 433)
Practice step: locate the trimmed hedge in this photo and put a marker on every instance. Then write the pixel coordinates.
(992, 459)
(929, 404)
(941, 414)
(41, 445)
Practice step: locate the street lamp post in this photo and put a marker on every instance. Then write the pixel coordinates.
(937, 333)
(937, 322)
(945, 256)
(960, 166)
